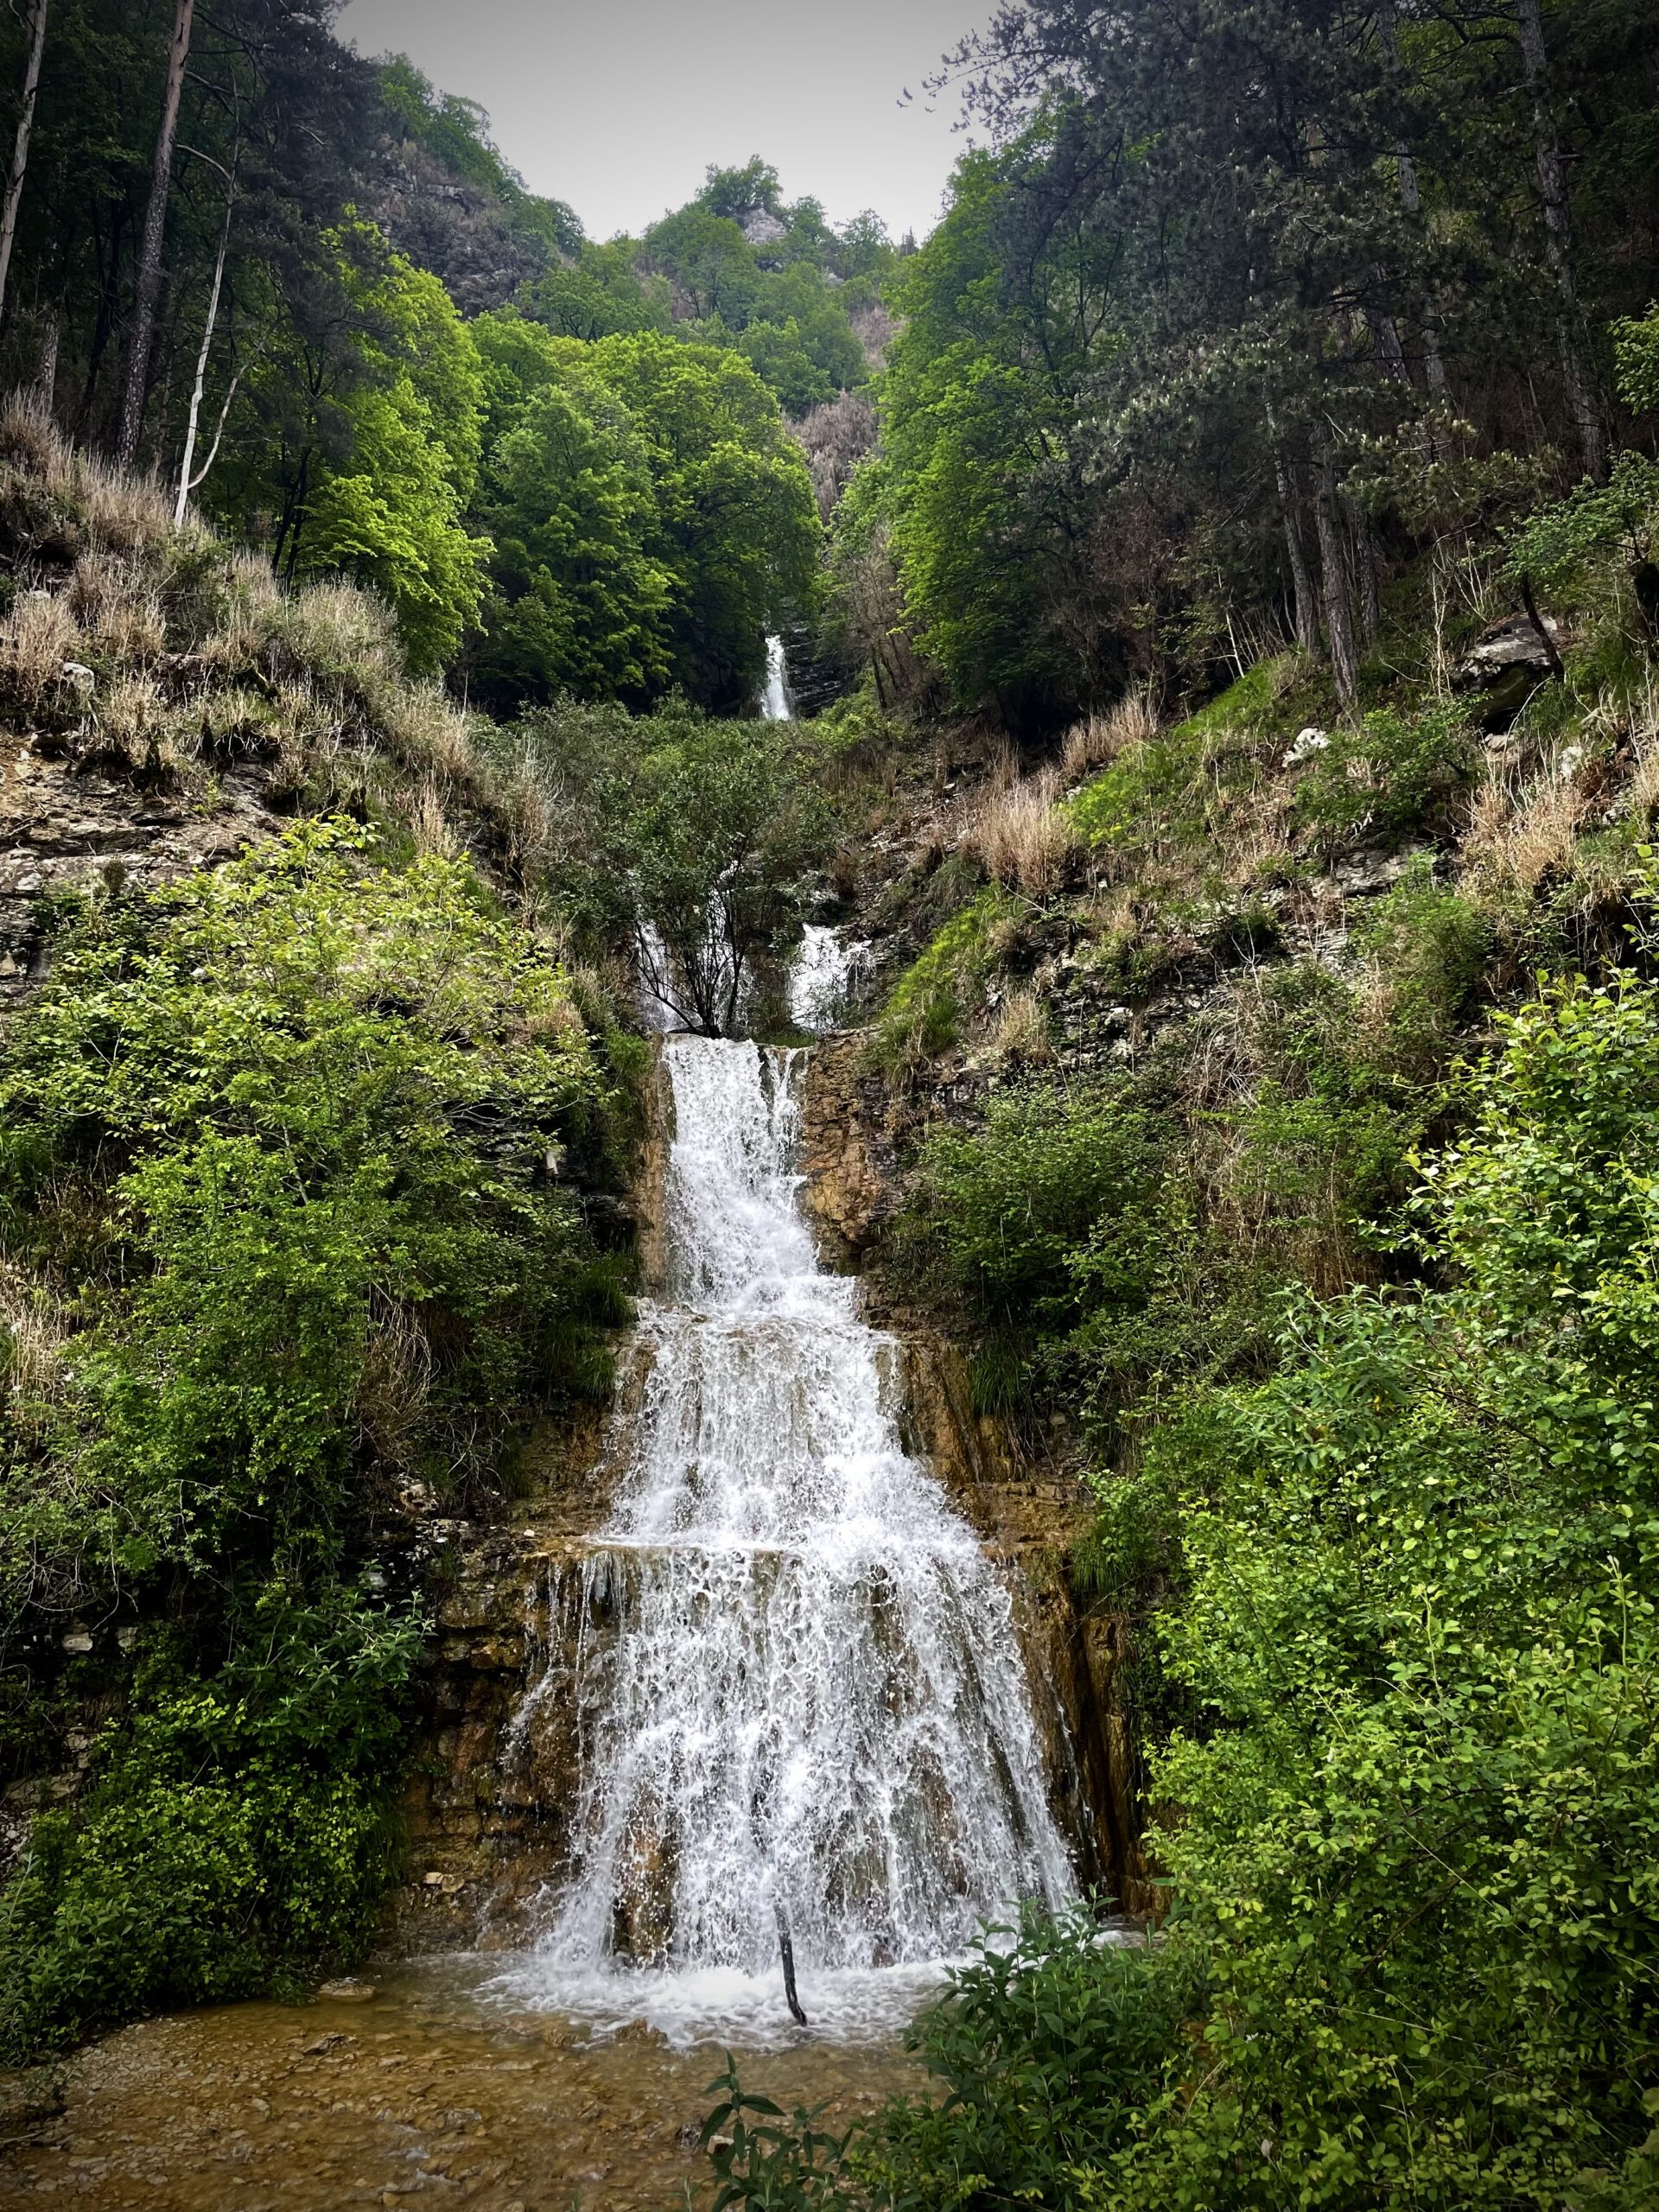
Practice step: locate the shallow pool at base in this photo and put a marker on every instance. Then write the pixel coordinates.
(454, 2083)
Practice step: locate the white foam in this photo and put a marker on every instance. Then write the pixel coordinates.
(790, 1672)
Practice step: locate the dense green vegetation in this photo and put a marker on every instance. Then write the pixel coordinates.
(286, 1236)
(1267, 1027)
(356, 370)
(1242, 313)
(1408, 1620)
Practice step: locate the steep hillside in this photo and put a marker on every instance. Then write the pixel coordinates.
(312, 1151)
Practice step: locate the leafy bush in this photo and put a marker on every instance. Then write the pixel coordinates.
(298, 1134)
(1561, 542)
(1387, 778)
(239, 1834)
(695, 841)
(1412, 1955)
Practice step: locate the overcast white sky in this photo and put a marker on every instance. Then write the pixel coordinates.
(617, 106)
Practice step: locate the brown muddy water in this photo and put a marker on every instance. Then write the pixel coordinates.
(435, 2090)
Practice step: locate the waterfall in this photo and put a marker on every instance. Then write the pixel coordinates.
(774, 700)
(826, 973)
(790, 1674)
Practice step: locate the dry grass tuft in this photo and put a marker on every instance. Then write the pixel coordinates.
(395, 1385)
(424, 730)
(429, 825)
(1097, 742)
(39, 635)
(123, 514)
(1019, 1036)
(117, 606)
(1022, 836)
(1521, 833)
(119, 512)
(31, 1336)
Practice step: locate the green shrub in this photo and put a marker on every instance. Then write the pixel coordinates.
(239, 1833)
(1386, 779)
(1413, 1955)
(924, 1011)
(302, 1132)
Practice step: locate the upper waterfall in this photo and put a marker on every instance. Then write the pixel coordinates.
(799, 1692)
(774, 700)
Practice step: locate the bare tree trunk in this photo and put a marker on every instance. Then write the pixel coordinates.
(148, 289)
(1301, 580)
(45, 377)
(1385, 333)
(186, 485)
(1363, 533)
(20, 149)
(1558, 238)
(1411, 198)
(1338, 608)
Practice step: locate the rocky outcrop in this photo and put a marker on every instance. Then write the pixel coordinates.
(64, 829)
(1505, 667)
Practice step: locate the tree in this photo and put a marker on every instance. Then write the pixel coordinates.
(1558, 235)
(567, 496)
(736, 526)
(738, 194)
(20, 149)
(148, 286)
(709, 256)
(373, 393)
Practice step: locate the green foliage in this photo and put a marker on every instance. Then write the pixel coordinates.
(290, 1081)
(578, 602)
(239, 1832)
(653, 520)
(1014, 1203)
(1410, 1621)
(600, 295)
(1108, 1242)
(1559, 544)
(977, 394)
(1636, 345)
(286, 1133)
(695, 839)
(924, 1011)
(379, 417)
(760, 2159)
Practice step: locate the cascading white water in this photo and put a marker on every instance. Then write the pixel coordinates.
(826, 972)
(774, 700)
(798, 1687)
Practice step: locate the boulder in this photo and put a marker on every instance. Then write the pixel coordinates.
(1503, 668)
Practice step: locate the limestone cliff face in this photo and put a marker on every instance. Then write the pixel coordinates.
(1032, 1514)
(63, 830)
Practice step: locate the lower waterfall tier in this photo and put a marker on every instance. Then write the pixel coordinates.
(833, 1733)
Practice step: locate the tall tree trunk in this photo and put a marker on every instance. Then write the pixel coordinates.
(148, 289)
(1411, 198)
(1385, 331)
(20, 149)
(45, 377)
(1363, 535)
(186, 484)
(1339, 606)
(1301, 581)
(1558, 238)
